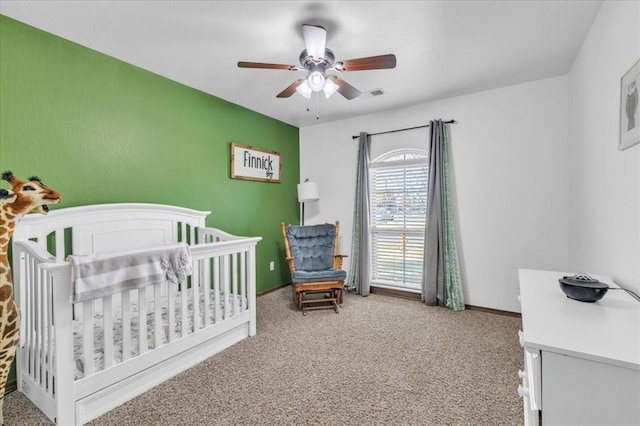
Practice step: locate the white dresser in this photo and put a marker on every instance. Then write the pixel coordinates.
(582, 360)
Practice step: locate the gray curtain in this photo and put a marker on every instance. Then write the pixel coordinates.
(359, 279)
(441, 284)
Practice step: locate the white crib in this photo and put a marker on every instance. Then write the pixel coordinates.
(77, 361)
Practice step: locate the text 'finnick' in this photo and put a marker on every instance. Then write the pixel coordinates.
(262, 163)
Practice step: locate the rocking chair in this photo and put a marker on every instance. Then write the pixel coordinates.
(315, 265)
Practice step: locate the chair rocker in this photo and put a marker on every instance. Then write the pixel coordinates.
(316, 270)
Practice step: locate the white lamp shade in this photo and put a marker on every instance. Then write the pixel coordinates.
(329, 88)
(304, 89)
(307, 191)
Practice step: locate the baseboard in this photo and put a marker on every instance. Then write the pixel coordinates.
(11, 386)
(416, 296)
(493, 311)
(394, 293)
(278, 287)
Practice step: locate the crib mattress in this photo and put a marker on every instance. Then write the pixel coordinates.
(236, 303)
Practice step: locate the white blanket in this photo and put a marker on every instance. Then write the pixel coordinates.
(104, 274)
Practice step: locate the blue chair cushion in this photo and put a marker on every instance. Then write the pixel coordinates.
(312, 246)
(317, 276)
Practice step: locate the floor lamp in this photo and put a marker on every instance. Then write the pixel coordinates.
(307, 191)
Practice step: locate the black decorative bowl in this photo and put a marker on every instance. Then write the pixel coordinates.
(582, 287)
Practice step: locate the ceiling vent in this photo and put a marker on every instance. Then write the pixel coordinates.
(371, 94)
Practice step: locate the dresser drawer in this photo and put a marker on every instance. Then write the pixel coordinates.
(530, 384)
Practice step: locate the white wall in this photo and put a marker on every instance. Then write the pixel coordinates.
(509, 157)
(604, 183)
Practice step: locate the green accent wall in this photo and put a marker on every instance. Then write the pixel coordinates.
(99, 130)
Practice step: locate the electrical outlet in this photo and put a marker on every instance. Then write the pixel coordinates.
(272, 265)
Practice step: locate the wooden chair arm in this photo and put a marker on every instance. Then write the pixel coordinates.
(337, 260)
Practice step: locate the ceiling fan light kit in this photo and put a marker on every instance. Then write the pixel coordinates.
(316, 81)
(317, 59)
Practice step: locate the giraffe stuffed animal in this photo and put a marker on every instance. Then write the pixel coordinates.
(23, 197)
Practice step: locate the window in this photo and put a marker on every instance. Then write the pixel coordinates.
(398, 210)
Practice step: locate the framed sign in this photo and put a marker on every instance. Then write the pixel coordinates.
(251, 163)
(629, 108)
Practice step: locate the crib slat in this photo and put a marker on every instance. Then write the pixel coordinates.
(87, 337)
(26, 316)
(30, 320)
(234, 285)
(142, 320)
(184, 313)
(42, 327)
(23, 300)
(251, 290)
(157, 315)
(206, 287)
(225, 284)
(172, 311)
(243, 280)
(107, 327)
(50, 336)
(126, 327)
(216, 288)
(195, 289)
(38, 327)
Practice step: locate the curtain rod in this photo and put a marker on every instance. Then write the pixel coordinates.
(402, 130)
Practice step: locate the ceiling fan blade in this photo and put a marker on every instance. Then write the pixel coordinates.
(267, 66)
(369, 63)
(344, 88)
(291, 89)
(315, 39)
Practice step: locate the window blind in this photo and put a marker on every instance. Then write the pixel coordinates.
(398, 210)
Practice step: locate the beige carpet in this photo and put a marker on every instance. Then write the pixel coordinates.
(380, 361)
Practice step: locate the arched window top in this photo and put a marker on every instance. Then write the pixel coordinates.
(401, 156)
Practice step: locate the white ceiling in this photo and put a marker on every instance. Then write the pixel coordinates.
(443, 48)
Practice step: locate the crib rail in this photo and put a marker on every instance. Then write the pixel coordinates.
(41, 352)
(105, 338)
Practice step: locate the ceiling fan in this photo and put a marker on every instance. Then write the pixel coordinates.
(317, 60)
